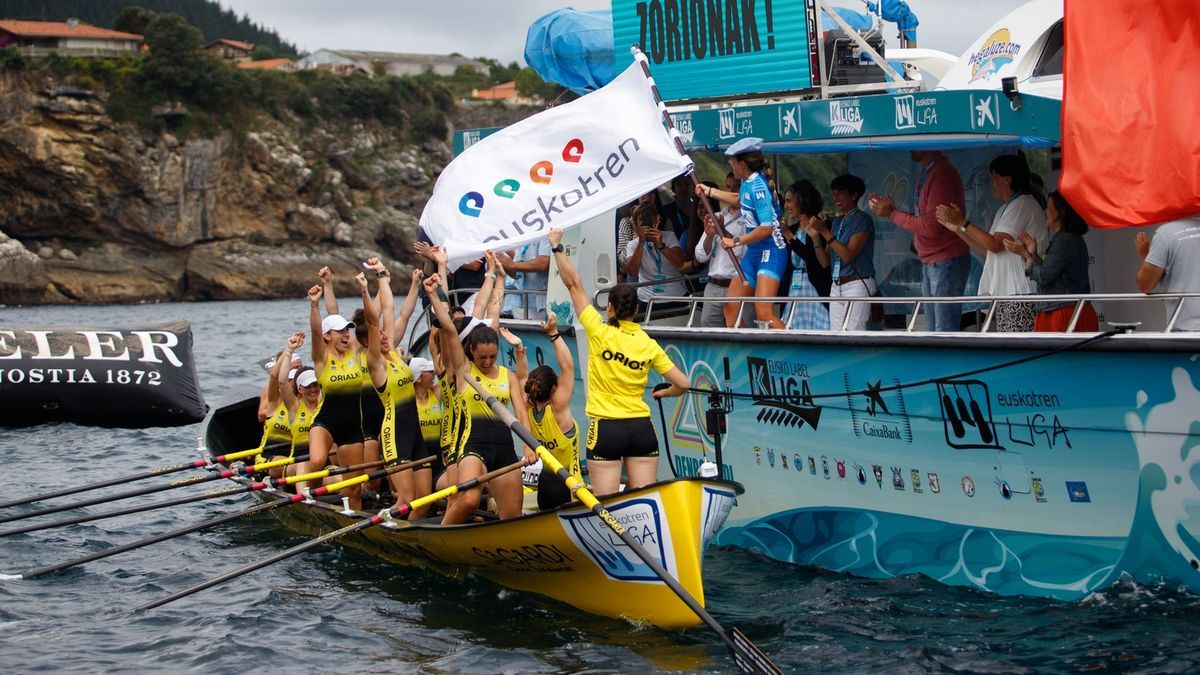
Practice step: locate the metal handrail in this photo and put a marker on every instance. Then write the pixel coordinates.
(991, 300)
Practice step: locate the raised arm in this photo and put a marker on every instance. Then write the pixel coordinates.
(314, 324)
(400, 327)
(521, 363)
(383, 297)
(521, 410)
(496, 303)
(560, 400)
(566, 272)
(454, 354)
(326, 276)
(375, 359)
(483, 298)
(282, 383)
(268, 398)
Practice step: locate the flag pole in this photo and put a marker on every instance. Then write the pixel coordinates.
(670, 124)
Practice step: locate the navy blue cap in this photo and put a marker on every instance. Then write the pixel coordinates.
(748, 144)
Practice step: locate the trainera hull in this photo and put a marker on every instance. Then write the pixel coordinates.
(567, 554)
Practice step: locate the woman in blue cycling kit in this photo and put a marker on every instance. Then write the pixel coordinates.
(766, 253)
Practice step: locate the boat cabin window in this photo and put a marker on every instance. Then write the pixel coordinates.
(1051, 60)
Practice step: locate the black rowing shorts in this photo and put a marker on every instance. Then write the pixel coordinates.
(609, 440)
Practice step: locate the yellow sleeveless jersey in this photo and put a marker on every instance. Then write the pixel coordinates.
(430, 413)
(300, 425)
(397, 397)
(564, 447)
(341, 377)
(277, 428)
(474, 412)
(474, 406)
(399, 388)
(619, 363)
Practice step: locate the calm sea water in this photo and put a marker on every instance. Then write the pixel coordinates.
(335, 609)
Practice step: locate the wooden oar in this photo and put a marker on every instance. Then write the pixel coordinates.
(182, 482)
(261, 508)
(381, 517)
(215, 494)
(161, 471)
(746, 655)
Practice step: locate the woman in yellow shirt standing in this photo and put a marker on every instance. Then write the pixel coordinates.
(620, 356)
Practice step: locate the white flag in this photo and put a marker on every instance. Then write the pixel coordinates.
(555, 169)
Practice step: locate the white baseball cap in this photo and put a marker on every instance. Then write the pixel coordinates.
(335, 322)
(420, 365)
(307, 378)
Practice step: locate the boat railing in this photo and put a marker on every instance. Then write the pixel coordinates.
(691, 303)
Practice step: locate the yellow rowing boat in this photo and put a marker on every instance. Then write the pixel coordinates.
(566, 553)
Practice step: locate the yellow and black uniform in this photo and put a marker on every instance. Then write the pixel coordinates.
(400, 439)
(300, 426)
(483, 434)
(448, 440)
(552, 491)
(341, 384)
(369, 402)
(619, 362)
(430, 413)
(277, 430)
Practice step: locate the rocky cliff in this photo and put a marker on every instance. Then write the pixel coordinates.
(95, 211)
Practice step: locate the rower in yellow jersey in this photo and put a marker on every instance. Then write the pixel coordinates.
(620, 356)
(429, 411)
(400, 434)
(277, 427)
(487, 443)
(338, 423)
(550, 420)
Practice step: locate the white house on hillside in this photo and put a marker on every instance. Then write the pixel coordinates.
(348, 61)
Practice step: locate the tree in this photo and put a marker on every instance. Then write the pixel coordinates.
(134, 19)
(531, 85)
(262, 53)
(174, 64)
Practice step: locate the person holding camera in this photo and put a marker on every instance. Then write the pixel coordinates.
(654, 255)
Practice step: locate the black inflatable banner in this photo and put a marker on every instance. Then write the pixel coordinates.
(130, 377)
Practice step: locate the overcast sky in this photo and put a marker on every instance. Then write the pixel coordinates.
(496, 28)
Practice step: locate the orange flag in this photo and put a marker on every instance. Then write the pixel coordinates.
(1131, 110)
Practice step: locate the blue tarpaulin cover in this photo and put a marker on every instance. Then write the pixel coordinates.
(573, 49)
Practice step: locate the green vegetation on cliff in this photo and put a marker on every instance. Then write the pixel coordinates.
(176, 86)
(209, 17)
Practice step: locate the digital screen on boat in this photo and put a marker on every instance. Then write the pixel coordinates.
(705, 49)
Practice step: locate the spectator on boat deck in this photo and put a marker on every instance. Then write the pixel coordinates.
(1003, 271)
(625, 229)
(1063, 270)
(945, 257)
(529, 270)
(653, 254)
(810, 276)
(850, 244)
(682, 214)
(549, 397)
(721, 270)
(619, 427)
(766, 257)
(1172, 263)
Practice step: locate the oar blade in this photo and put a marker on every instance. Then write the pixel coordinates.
(749, 657)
